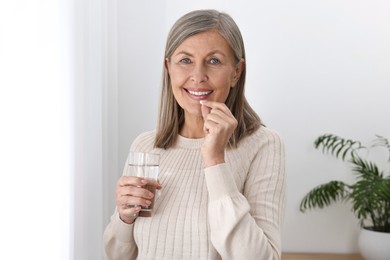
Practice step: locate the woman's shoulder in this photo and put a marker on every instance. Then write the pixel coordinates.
(266, 132)
(263, 136)
(144, 141)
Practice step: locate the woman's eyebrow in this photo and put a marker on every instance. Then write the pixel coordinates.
(184, 53)
(216, 52)
(208, 54)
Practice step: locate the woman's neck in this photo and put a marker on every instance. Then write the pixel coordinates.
(192, 127)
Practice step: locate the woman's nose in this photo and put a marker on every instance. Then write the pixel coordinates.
(199, 74)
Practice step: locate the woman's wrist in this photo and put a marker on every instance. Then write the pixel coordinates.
(213, 161)
(128, 221)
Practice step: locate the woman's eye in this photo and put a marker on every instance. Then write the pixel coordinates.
(214, 61)
(185, 61)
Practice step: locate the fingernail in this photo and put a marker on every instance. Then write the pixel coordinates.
(201, 102)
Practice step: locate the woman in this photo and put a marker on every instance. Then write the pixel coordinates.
(221, 171)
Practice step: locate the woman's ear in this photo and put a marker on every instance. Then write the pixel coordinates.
(237, 72)
(166, 64)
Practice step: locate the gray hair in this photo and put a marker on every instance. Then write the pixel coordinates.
(205, 20)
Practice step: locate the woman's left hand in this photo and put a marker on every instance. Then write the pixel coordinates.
(219, 125)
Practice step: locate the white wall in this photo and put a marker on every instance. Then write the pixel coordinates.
(52, 79)
(313, 67)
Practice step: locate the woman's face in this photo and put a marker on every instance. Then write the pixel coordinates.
(202, 68)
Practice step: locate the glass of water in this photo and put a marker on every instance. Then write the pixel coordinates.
(145, 165)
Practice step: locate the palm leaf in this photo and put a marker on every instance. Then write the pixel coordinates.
(323, 195)
(384, 189)
(384, 142)
(370, 198)
(337, 146)
(365, 169)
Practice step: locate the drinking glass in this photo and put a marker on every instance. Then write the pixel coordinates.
(145, 165)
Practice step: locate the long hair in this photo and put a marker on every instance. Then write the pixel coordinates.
(171, 115)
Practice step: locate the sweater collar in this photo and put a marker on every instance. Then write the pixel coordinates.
(190, 143)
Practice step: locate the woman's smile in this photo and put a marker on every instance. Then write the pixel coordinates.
(198, 94)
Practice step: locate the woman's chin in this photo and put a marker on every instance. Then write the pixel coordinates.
(193, 112)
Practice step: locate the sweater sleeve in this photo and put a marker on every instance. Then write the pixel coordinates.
(118, 238)
(119, 242)
(247, 225)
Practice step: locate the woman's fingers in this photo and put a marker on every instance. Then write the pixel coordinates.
(216, 105)
(128, 215)
(218, 121)
(131, 180)
(134, 193)
(130, 196)
(205, 109)
(219, 125)
(218, 117)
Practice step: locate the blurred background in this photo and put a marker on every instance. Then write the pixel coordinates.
(79, 80)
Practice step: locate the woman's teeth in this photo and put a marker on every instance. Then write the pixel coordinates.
(199, 93)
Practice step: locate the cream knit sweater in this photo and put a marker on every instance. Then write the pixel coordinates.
(228, 211)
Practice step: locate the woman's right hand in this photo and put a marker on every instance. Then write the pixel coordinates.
(130, 196)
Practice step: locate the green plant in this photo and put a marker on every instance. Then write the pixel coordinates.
(369, 195)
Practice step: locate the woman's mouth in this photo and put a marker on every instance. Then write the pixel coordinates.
(199, 94)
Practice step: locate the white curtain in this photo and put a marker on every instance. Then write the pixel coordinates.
(53, 134)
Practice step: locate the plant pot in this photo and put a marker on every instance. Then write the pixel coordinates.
(374, 245)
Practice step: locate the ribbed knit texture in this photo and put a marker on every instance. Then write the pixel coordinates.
(228, 211)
